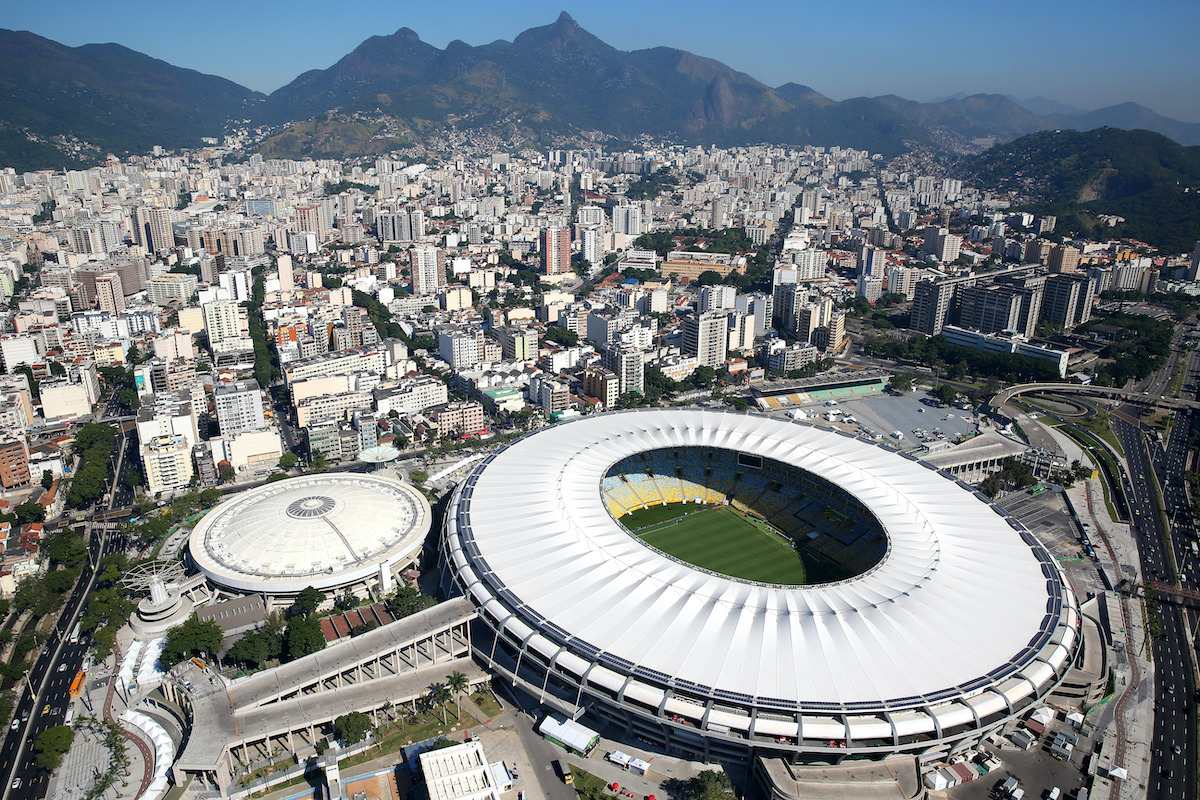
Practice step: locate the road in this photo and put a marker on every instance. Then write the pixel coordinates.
(50, 676)
(44, 695)
(1173, 755)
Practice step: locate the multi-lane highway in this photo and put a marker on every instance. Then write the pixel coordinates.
(1173, 754)
(44, 695)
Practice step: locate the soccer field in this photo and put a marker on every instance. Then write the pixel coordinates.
(719, 539)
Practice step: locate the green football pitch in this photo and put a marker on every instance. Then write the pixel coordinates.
(719, 539)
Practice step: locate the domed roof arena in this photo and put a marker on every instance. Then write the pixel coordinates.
(330, 531)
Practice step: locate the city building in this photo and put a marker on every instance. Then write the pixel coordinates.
(556, 250)
(705, 335)
(239, 406)
(166, 463)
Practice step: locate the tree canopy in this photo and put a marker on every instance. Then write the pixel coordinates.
(303, 637)
(51, 745)
(351, 728)
(192, 638)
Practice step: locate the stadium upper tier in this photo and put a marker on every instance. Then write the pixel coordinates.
(962, 621)
(328, 531)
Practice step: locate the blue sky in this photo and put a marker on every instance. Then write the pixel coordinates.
(1088, 54)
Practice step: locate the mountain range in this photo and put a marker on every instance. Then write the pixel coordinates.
(69, 105)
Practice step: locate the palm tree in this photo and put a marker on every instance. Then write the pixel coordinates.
(457, 683)
(439, 695)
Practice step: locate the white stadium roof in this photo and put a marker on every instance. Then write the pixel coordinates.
(961, 601)
(324, 530)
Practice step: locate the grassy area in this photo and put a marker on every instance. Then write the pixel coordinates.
(1110, 471)
(588, 786)
(1099, 426)
(487, 703)
(392, 737)
(720, 539)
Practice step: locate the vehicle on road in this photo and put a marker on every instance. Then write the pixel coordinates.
(16, 784)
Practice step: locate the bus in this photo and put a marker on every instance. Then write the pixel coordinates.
(1037, 489)
(77, 684)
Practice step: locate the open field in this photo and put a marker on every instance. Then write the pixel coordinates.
(719, 539)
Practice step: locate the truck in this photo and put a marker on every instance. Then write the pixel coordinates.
(563, 773)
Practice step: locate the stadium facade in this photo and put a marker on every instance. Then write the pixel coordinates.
(955, 621)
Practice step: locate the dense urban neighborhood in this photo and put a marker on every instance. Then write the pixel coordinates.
(487, 462)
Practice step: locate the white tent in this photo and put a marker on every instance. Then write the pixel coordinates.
(569, 734)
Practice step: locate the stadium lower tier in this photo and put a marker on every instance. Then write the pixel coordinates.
(712, 731)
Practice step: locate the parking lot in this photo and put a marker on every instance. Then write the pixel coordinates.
(915, 415)
(1036, 769)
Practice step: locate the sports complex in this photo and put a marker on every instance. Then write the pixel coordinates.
(332, 531)
(718, 585)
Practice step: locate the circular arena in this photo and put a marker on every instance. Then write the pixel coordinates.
(721, 584)
(332, 531)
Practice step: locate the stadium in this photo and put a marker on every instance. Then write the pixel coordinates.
(717, 586)
(331, 531)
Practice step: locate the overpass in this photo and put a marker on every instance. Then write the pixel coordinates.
(236, 727)
(1004, 396)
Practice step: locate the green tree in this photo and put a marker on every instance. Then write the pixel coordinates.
(709, 785)
(30, 511)
(192, 638)
(51, 745)
(351, 728)
(346, 601)
(902, 383)
(945, 393)
(703, 377)
(407, 600)
(439, 696)
(560, 335)
(31, 595)
(457, 683)
(225, 471)
(307, 601)
(418, 476)
(47, 478)
(303, 637)
(250, 650)
(287, 461)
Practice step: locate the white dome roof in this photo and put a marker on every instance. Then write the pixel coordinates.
(318, 530)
